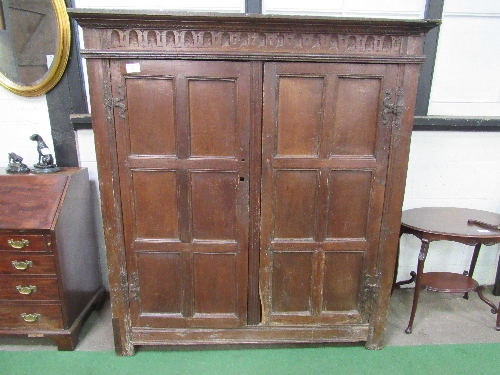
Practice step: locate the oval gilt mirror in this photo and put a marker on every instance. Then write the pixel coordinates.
(34, 45)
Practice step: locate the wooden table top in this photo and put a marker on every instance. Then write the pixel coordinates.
(451, 221)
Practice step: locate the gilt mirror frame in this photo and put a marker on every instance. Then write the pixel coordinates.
(56, 70)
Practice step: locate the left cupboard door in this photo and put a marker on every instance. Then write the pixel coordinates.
(182, 130)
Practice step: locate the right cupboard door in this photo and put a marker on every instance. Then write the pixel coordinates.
(326, 140)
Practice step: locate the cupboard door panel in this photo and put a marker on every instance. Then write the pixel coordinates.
(298, 132)
(156, 204)
(295, 207)
(184, 190)
(213, 108)
(153, 132)
(291, 284)
(348, 207)
(356, 114)
(214, 288)
(343, 273)
(214, 205)
(160, 287)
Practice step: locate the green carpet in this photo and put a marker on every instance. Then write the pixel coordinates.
(475, 359)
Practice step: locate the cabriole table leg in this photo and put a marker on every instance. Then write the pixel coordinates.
(420, 268)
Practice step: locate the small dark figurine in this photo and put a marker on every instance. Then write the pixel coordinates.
(16, 164)
(45, 158)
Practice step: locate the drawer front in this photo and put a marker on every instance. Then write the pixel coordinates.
(22, 242)
(26, 264)
(30, 316)
(28, 289)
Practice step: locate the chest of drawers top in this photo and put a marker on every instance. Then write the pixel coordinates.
(30, 202)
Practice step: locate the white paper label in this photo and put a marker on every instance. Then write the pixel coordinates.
(133, 68)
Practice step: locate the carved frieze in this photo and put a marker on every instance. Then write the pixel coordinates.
(193, 40)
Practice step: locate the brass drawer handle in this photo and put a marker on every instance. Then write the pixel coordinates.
(26, 290)
(30, 318)
(18, 244)
(22, 265)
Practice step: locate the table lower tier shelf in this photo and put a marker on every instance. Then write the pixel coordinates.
(448, 282)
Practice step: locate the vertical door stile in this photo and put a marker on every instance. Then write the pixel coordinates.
(122, 136)
(268, 123)
(254, 185)
(184, 185)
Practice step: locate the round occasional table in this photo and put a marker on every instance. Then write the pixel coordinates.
(470, 227)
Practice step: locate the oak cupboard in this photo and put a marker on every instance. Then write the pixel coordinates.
(252, 172)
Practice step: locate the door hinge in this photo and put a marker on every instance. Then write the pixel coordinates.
(110, 102)
(395, 108)
(134, 289)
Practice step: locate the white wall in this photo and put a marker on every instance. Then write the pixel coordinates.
(347, 8)
(457, 169)
(446, 168)
(20, 118)
(234, 6)
(467, 71)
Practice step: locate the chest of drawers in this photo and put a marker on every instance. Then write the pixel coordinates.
(49, 269)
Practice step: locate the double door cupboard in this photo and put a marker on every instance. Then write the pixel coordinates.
(252, 173)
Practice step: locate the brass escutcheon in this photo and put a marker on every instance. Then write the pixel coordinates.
(30, 318)
(18, 244)
(22, 265)
(26, 289)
